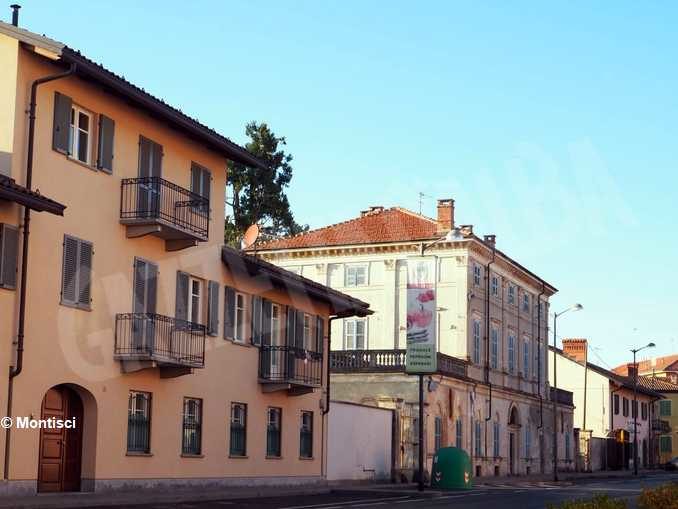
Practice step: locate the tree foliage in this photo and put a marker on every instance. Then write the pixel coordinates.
(258, 195)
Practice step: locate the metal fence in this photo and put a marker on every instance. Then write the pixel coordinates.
(288, 364)
(374, 361)
(148, 336)
(148, 198)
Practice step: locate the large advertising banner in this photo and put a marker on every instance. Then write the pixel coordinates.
(421, 314)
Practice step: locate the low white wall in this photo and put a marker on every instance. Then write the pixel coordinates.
(359, 442)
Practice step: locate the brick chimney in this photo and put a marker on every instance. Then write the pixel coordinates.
(576, 348)
(445, 215)
(490, 240)
(631, 370)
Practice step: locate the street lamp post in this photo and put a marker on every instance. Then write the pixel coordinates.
(451, 236)
(635, 405)
(576, 307)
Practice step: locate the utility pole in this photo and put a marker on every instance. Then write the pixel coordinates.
(421, 433)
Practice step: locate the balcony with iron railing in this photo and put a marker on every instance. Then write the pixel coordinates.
(661, 426)
(148, 340)
(389, 361)
(289, 368)
(154, 206)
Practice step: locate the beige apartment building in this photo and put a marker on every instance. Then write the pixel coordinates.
(490, 395)
(182, 361)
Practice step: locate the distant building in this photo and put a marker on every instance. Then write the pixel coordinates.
(604, 409)
(490, 395)
(657, 367)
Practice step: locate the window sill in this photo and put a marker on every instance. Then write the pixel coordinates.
(240, 343)
(238, 457)
(75, 160)
(304, 458)
(274, 457)
(183, 455)
(142, 454)
(75, 306)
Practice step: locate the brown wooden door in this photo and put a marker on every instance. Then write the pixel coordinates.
(60, 449)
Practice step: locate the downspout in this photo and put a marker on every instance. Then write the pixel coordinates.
(15, 370)
(487, 336)
(326, 410)
(541, 399)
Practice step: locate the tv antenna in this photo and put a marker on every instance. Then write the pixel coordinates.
(422, 197)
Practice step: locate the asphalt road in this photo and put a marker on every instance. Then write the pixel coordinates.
(522, 496)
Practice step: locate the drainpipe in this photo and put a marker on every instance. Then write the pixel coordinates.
(541, 399)
(18, 367)
(326, 410)
(487, 341)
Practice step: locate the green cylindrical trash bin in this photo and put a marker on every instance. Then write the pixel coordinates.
(451, 469)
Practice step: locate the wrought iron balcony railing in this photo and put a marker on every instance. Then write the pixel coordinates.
(388, 361)
(288, 364)
(145, 200)
(661, 426)
(162, 339)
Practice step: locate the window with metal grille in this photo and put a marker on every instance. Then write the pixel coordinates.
(438, 434)
(458, 438)
(306, 435)
(238, 442)
(192, 426)
(273, 435)
(139, 422)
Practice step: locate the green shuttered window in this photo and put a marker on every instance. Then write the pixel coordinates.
(76, 278)
(9, 249)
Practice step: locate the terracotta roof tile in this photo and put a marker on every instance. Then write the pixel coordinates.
(10, 190)
(657, 384)
(379, 226)
(646, 366)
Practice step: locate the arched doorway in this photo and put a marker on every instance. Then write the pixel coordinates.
(60, 451)
(514, 431)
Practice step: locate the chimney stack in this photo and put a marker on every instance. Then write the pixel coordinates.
(631, 370)
(15, 14)
(445, 215)
(576, 349)
(490, 240)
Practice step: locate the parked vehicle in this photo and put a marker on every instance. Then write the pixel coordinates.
(672, 464)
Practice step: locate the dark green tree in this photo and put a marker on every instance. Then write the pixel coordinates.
(258, 195)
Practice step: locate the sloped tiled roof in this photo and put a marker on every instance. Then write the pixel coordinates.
(657, 384)
(646, 366)
(394, 224)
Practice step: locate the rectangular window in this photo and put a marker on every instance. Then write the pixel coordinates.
(308, 333)
(511, 294)
(511, 353)
(239, 326)
(495, 286)
(139, 422)
(195, 300)
(306, 435)
(438, 434)
(526, 302)
(625, 407)
(495, 439)
(477, 274)
(238, 442)
(526, 358)
(665, 444)
(192, 427)
(80, 134)
(616, 404)
(458, 434)
(355, 334)
(356, 275)
(643, 411)
(567, 447)
(201, 180)
(276, 327)
(476, 341)
(494, 351)
(76, 274)
(273, 427)
(665, 408)
(528, 441)
(634, 408)
(9, 252)
(476, 440)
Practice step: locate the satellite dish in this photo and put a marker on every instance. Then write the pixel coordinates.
(250, 237)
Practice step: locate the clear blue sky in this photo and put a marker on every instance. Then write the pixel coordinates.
(551, 125)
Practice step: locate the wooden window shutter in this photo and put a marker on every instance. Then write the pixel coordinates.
(9, 252)
(156, 163)
(62, 122)
(266, 312)
(139, 305)
(105, 148)
(181, 306)
(319, 334)
(85, 273)
(229, 312)
(69, 273)
(290, 330)
(196, 179)
(206, 183)
(152, 287)
(256, 320)
(213, 308)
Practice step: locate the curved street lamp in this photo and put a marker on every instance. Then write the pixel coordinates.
(574, 307)
(635, 405)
